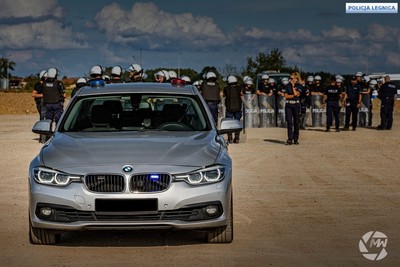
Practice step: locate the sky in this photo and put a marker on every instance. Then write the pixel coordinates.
(75, 35)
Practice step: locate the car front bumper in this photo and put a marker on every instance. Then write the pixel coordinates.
(73, 208)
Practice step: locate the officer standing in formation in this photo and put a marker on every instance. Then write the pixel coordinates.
(161, 76)
(332, 96)
(53, 95)
(81, 82)
(305, 102)
(265, 89)
(135, 73)
(353, 100)
(116, 75)
(96, 76)
(233, 102)
(388, 97)
(211, 93)
(37, 94)
(292, 108)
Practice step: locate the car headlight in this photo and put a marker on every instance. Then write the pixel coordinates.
(52, 177)
(208, 175)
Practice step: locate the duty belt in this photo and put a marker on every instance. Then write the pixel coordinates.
(292, 101)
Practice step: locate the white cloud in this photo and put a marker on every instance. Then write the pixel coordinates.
(145, 24)
(341, 33)
(31, 8)
(49, 34)
(36, 24)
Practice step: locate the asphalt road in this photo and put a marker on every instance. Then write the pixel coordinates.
(305, 205)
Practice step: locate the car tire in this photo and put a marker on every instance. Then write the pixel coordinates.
(222, 234)
(39, 236)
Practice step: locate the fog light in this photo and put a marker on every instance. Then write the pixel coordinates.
(46, 211)
(212, 210)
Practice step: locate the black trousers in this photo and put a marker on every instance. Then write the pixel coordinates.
(332, 108)
(387, 114)
(351, 111)
(292, 112)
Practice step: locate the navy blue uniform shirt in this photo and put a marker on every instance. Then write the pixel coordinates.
(353, 92)
(289, 90)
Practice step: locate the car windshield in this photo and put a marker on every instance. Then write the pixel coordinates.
(135, 112)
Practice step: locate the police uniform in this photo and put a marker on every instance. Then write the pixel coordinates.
(210, 93)
(353, 98)
(388, 94)
(292, 112)
(333, 95)
(266, 89)
(233, 103)
(53, 99)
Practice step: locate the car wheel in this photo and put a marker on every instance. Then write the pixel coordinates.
(222, 234)
(39, 236)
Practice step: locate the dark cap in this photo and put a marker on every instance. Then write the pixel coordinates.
(353, 78)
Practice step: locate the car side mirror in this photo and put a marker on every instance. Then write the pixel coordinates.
(230, 126)
(42, 127)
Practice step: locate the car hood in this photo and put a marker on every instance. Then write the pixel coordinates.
(68, 150)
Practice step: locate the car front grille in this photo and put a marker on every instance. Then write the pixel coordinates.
(105, 183)
(139, 183)
(146, 183)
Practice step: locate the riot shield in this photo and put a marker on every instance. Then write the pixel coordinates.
(363, 113)
(251, 110)
(267, 111)
(317, 111)
(280, 112)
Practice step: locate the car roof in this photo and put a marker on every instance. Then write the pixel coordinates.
(140, 87)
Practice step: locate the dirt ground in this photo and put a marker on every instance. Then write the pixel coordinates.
(305, 205)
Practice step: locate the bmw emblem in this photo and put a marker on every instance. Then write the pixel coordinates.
(127, 168)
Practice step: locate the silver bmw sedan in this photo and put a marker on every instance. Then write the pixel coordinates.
(133, 156)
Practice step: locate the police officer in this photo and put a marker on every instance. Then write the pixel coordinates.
(372, 85)
(332, 96)
(211, 93)
(53, 95)
(233, 103)
(317, 93)
(264, 88)
(81, 82)
(292, 108)
(37, 94)
(388, 97)
(135, 73)
(96, 76)
(248, 86)
(305, 101)
(161, 76)
(116, 75)
(265, 91)
(353, 103)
